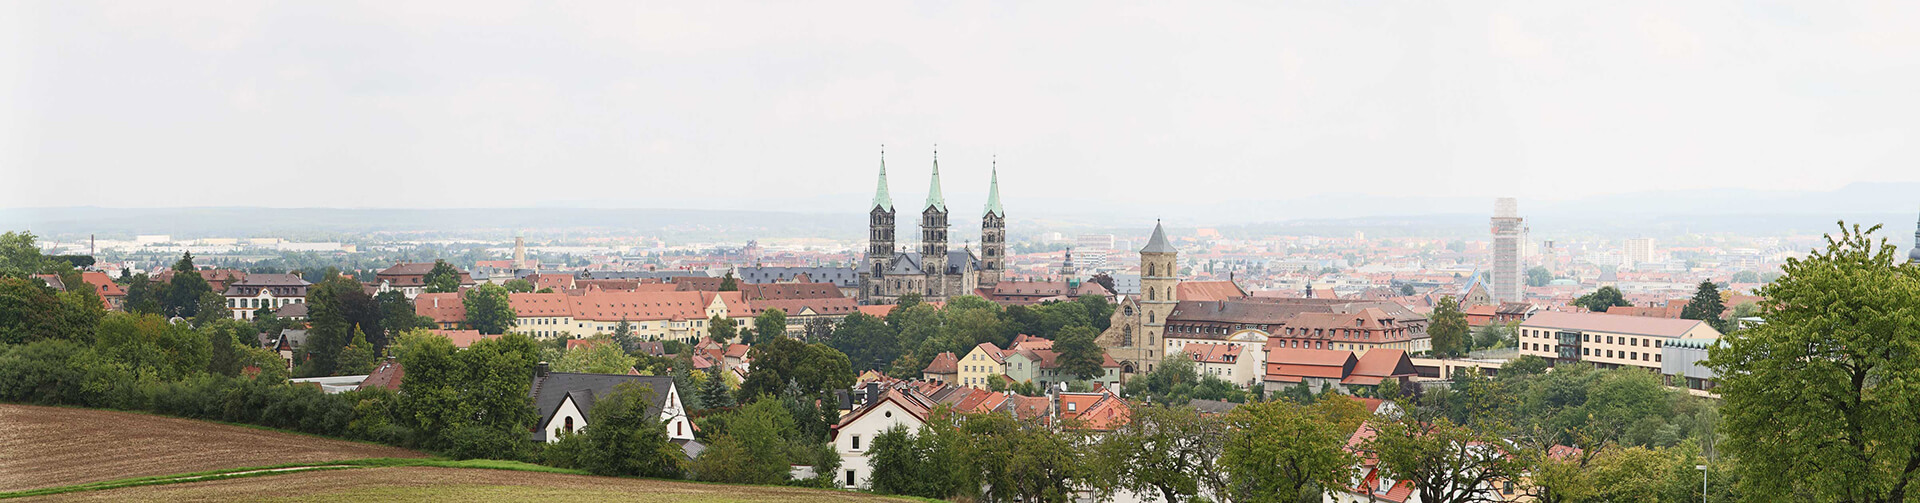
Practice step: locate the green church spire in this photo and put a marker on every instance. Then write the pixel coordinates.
(934, 199)
(993, 192)
(881, 199)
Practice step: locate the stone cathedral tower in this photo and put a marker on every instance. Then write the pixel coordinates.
(933, 234)
(993, 235)
(879, 233)
(1135, 335)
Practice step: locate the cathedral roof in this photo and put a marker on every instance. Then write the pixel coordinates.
(934, 199)
(913, 263)
(881, 199)
(993, 194)
(1158, 243)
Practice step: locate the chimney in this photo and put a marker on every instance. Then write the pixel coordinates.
(873, 392)
(540, 369)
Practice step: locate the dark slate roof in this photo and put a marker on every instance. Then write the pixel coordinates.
(548, 392)
(1158, 243)
(271, 280)
(906, 263)
(844, 277)
(294, 310)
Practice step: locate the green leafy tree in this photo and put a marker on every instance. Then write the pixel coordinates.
(472, 402)
(1600, 300)
(1745, 277)
(265, 321)
(760, 430)
(867, 341)
(409, 339)
(1025, 460)
(1173, 452)
(1448, 329)
(626, 440)
(1644, 474)
(519, 286)
(212, 307)
(359, 357)
(1819, 400)
(811, 369)
(1495, 335)
(1706, 306)
(1080, 356)
(30, 312)
(225, 346)
(714, 392)
(144, 296)
(185, 289)
(443, 278)
(489, 309)
(605, 357)
(1539, 276)
(335, 309)
(149, 345)
(1447, 462)
(769, 325)
(1406, 290)
(897, 464)
(1279, 451)
(20, 257)
(397, 315)
(722, 329)
(728, 284)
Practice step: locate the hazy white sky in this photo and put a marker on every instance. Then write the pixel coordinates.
(783, 105)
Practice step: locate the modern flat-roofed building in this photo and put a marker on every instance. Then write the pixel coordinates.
(1684, 364)
(1606, 340)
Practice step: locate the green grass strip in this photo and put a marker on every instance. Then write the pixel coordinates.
(257, 471)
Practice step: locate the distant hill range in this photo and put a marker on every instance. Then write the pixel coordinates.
(1657, 213)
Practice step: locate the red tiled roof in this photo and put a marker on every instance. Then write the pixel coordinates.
(463, 338)
(441, 307)
(388, 375)
(103, 284)
(943, 363)
(539, 305)
(1283, 363)
(1208, 291)
(1384, 362)
(837, 306)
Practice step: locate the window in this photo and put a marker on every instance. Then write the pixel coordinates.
(850, 478)
(856, 442)
(569, 424)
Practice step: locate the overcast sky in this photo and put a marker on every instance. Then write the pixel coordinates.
(784, 105)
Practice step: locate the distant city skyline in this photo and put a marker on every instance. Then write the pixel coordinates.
(1203, 109)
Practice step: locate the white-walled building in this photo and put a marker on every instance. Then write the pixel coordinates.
(565, 403)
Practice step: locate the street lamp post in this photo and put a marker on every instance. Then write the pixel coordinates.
(1703, 482)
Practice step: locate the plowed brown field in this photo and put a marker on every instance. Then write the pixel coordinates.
(53, 446)
(457, 484)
